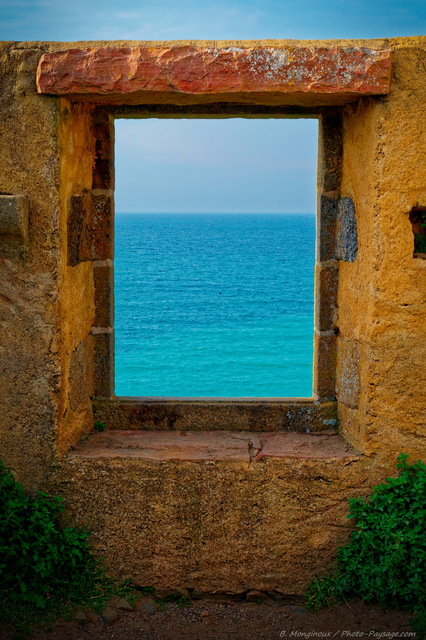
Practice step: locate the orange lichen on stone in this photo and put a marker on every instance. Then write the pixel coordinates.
(208, 70)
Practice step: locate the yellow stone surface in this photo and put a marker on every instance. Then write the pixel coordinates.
(216, 519)
(220, 524)
(382, 295)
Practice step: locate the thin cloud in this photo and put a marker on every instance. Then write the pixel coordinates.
(56, 20)
(23, 4)
(215, 165)
(181, 22)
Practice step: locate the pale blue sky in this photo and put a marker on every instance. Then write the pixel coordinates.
(223, 166)
(214, 19)
(220, 165)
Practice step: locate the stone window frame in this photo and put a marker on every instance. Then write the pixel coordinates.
(293, 414)
(169, 80)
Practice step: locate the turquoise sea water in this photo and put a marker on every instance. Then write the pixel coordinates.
(214, 304)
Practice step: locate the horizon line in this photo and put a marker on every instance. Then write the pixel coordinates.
(228, 213)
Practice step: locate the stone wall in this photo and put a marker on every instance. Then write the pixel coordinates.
(30, 362)
(382, 294)
(207, 518)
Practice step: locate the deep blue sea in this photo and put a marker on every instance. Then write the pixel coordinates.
(214, 304)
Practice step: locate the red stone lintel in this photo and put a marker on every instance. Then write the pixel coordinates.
(187, 70)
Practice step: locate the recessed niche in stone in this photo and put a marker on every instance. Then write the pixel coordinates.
(418, 223)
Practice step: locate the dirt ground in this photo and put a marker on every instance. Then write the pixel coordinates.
(236, 621)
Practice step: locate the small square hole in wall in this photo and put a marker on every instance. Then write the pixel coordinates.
(418, 223)
(214, 257)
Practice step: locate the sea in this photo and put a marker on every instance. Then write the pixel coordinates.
(216, 305)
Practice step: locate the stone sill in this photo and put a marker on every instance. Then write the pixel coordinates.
(210, 446)
(210, 414)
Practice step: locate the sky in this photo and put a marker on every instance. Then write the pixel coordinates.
(246, 166)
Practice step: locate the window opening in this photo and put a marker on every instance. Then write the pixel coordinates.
(214, 257)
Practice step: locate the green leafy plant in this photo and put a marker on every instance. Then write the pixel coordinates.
(419, 243)
(385, 559)
(176, 598)
(146, 591)
(420, 238)
(45, 570)
(99, 426)
(162, 601)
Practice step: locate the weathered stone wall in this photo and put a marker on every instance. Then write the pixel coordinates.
(47, 308)
(207, 512)
(76, 301)
(30, 364)
(382, 294)
(218, 523)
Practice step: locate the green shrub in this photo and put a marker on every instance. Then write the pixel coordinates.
(175, 598)
(419, 238)
(385, 559)
(45, 569)
(419, 243)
